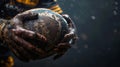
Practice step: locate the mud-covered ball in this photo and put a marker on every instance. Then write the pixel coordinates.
(50, 24)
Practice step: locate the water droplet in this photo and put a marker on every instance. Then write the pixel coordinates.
(86, 46)
(93, 17)
(115, 31)
(116, 3)
(84, 36)
(115, 12)
(116, 8)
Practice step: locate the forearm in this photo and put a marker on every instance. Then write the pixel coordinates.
(3, 24)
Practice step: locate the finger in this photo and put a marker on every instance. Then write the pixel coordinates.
(30, 16)
(74, 40)
(19, 51)
(62, 47)
(19, 19)
(26, 16)
(28, 46)
(22, 32)
(29, 34)
(67, 37)
(40, 37)
(58, 56)
(23, 53)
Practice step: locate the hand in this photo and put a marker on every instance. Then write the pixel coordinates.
(16, 37)
(69, 38)
(72, 30)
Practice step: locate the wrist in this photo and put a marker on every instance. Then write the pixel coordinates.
(3, 24)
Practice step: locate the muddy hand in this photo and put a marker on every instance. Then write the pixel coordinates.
(22, 48)
(69, 38)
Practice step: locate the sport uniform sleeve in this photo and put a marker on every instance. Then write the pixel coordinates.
(51, 4)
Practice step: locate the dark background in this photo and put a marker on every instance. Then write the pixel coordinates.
(98, 25)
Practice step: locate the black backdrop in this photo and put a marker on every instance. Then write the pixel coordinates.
(98, 27)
